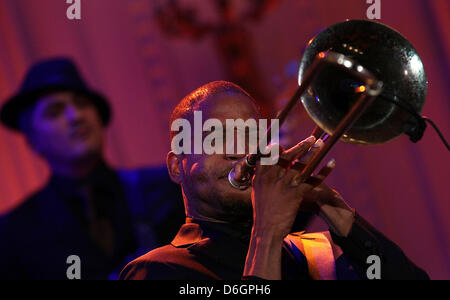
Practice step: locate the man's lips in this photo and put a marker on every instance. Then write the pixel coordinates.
(81, 132)
(224, 173)
(224, 176)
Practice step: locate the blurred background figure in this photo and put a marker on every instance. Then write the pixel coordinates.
(104, 216)
(145, 55)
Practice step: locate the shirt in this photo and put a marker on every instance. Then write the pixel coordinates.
(205, 250)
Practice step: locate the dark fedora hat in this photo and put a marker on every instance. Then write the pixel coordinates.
(52, 75)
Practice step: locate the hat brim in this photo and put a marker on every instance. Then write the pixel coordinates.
(15, 106)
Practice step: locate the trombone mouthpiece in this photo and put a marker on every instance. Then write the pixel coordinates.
(240, 185)
(246, 167)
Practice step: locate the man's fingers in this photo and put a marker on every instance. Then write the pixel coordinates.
(298, 150)
(284, 163)
(271, 171)
(309, 155)
(297, 167)
(317, 179)
(325, 171)
(301, 163)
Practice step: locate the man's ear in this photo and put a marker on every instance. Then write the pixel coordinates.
(174, 165)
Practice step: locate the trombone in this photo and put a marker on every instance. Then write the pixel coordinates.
(361, 82)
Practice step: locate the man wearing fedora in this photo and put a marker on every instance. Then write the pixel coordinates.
(102, 216)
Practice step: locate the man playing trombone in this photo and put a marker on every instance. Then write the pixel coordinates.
(244, 234)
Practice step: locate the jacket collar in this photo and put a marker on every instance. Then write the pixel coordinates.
(189, 233)
(194, 231)
(224, 243)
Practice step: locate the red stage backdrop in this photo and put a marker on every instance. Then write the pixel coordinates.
(400, 187)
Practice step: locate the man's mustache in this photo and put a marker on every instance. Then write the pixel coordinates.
(224, 172)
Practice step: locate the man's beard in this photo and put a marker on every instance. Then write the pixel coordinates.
(237, 211)
(232, 206)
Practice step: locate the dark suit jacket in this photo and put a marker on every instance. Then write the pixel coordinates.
(144, 207)
(205, 250)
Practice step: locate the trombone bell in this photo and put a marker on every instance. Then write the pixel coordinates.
(389, 57)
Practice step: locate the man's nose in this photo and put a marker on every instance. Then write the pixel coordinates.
(73, 112)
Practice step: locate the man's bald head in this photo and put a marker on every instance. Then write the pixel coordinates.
(192, 102)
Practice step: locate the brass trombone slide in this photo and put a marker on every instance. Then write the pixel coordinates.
(369, 90)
